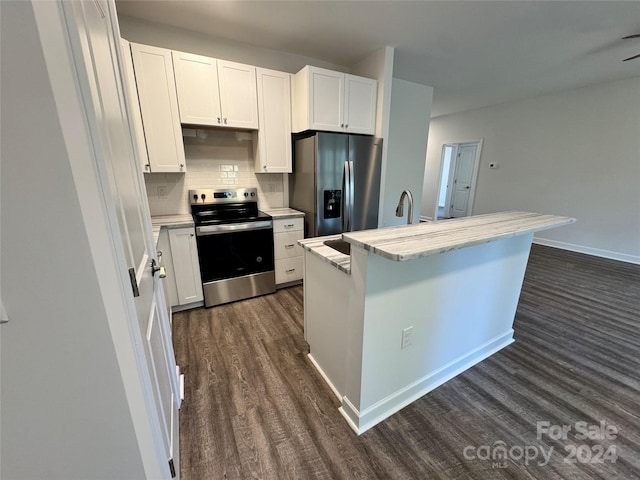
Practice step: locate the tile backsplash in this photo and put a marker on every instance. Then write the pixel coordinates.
(214, 159)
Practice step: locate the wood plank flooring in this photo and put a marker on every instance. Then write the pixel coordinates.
(256, 408)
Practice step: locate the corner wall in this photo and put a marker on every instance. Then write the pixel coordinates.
(574, 153)
(406, 147)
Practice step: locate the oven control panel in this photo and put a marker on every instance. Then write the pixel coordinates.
(211, 197)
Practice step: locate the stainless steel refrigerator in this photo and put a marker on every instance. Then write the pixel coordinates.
(336, 182)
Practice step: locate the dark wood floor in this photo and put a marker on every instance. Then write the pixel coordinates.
(256, 408)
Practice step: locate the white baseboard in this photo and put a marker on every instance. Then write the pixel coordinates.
(325, 378)
(425, 219)
(360, 422)
(597, 252)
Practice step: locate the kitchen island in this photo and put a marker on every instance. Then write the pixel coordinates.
(413, 306)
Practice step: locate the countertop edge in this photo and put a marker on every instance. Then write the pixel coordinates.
(331, 256)
(282, 213)
(555, 221)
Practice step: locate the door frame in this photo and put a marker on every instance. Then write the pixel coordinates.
(451, 173)
(101, 223)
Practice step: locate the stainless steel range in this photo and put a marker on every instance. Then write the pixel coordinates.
(235, 244)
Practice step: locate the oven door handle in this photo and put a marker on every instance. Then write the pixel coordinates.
(233, 227)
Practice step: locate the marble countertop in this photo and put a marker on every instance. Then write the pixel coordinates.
(409, 242)
(283, 212)
(169, 221)
(316, 246)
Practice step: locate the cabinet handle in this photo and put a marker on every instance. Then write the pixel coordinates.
(342, 125)
(192, 234)
(225, 120)
(219, 120)
(346, 125)
(291, 270)
(159, 254)
(291, 225)
(291, 245)
(147, 166)
(182, 165)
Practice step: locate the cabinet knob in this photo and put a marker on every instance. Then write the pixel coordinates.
(182, 165)
(191, 234)
(219, 120)
(225, 120)
(342, 125)
(147, 166)
(346, 125)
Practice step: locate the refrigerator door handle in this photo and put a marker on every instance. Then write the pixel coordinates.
(346, 186)
(352, 179)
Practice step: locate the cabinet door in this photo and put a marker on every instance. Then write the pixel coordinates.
(360, 104)
(274, 136)
(197, 88)
(133, 106)
(184, 253)
(159, 107)
(326, 91)
(238, 95)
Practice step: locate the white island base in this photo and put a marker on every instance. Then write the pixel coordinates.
(385, 328)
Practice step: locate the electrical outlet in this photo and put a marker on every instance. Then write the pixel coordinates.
(407, 337)
(162, 191)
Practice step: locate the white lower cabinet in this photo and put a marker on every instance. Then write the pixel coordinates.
(182, 284)
(186, 268)
(288, 254)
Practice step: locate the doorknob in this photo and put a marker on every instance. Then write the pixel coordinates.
(467, 187)
(155, 268)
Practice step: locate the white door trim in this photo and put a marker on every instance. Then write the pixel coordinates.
(452, 168)
(100, 221)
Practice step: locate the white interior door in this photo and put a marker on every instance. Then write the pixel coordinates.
(463, 180)
(97, 57)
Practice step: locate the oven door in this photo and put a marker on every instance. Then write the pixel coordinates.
(235, 250)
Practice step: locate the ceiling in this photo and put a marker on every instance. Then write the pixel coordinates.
(473, 53)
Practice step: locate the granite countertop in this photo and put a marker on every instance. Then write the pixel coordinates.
(409, 242)
(170, 221)
(316, 246)
(283, 212)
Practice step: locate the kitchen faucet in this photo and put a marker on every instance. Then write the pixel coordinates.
(400, 207)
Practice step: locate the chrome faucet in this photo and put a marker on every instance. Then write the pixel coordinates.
(400, 207)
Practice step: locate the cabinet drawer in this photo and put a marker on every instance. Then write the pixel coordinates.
(285, 244)
(287, 224)
(289, 270)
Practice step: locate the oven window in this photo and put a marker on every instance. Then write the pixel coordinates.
(229, 255)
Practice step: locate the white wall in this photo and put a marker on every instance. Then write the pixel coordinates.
(166, 36)
(64, 409)
(406, 148)
(574, 153)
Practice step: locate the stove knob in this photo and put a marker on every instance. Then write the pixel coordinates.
(195, 197)
(246, 194)
(203, 196)
(253, 194)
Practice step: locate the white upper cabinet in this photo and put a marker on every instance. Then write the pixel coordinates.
(131, 92)
(273, 145)
(238, 95)
(159, 108)
(215, 92)
(360, 97)
(197, 87)
(333, 101)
